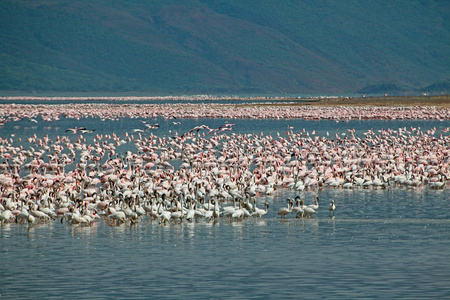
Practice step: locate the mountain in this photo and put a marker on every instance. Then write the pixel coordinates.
(223, 47)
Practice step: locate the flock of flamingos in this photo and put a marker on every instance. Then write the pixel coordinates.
(203, 172)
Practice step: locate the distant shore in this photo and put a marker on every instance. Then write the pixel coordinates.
(441, 100)
(390, 101)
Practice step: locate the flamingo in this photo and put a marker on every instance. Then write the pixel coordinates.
(299, 209)
(151, 126)
(76, 129)
(177, 215)
(38, 214)
(209, 214)
(309, 211)
(23, 215)
(6, 216)
(260, 212)
(191, 212)
(238, 213)
(332, 207)
(284, 211)
(163, 214)
(316, 205)
(227, 211)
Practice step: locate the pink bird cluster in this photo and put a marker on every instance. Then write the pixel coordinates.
(15, 112)
(202, 176)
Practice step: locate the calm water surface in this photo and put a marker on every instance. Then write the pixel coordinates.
(381, 244)
(391, 243)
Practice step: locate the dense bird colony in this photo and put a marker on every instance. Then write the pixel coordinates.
(217, 110)
(206, 172)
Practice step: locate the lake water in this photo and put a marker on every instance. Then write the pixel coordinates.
(388, 243)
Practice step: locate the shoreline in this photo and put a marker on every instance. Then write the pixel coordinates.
(337, 110)
(442, 101)
(407, 101)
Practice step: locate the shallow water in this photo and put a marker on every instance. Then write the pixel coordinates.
(380, 244)
(24, 128)
(389, 243)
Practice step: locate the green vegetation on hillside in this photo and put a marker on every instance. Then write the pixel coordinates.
(224, 46)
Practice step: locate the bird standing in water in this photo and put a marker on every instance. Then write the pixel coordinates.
(332, 207)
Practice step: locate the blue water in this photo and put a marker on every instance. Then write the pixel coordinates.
(25, 128)
(381, 244)
(389, 243)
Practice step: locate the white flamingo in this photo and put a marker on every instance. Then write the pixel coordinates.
(316, 205)
(284, 211)
(238, 213)
(332, 207)
(260, 212)
(309, 211)
(299, 209)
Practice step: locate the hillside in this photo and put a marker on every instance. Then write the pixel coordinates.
(170, 47)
